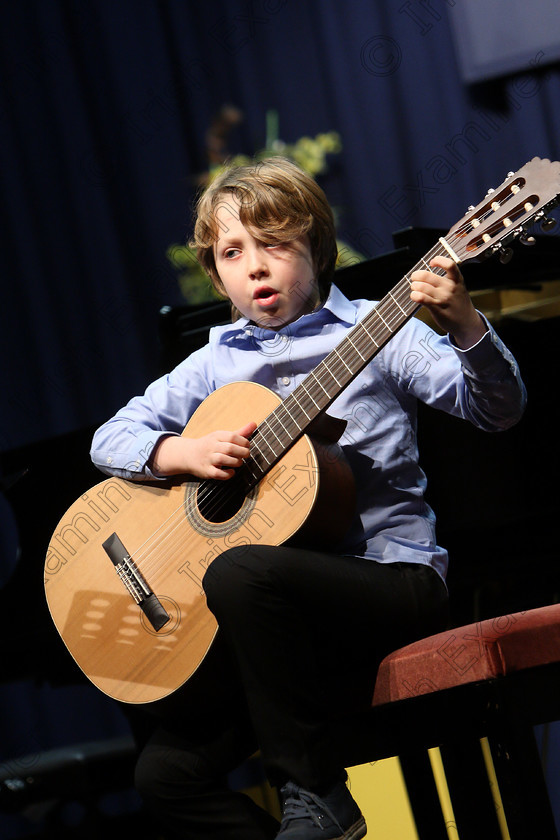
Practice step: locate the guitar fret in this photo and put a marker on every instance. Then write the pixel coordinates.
(264, 442)
(256, 446)
(286, 410)
(405, 304)
(342, 360)
(356, 349)
(392, 317)
(306, 398)
(396, 302)
(382, 318)
(272, 430)
(317, 380)
(317, 406)
(299, 405)
(340, 355)
(365, 329)
(248, 464)
(391, 295)
(288, 437)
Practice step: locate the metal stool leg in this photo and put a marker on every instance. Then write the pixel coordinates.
(423, 795)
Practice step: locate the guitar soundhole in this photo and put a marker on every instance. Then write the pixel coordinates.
(220, 501)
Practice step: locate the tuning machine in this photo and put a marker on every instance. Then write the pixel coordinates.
(548, 224)
(504, 254)
(545, 222)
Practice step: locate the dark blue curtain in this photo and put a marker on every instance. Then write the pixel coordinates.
(104, 112)
(105, 107)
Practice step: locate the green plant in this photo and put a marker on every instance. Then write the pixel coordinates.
(308, 152)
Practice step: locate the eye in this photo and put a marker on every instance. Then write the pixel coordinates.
(229, 253)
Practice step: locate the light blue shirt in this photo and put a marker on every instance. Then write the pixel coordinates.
(393, 523)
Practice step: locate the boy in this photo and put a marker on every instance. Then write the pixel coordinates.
(301, 631)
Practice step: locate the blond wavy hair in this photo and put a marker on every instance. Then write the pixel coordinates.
(279, 202)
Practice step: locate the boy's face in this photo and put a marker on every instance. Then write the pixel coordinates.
(271, 285)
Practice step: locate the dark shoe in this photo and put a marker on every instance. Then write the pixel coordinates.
(306, 816)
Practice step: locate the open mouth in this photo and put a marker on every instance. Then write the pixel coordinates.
(265, 296)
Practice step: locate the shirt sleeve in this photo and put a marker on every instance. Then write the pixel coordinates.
(481, 384)
(122, 446)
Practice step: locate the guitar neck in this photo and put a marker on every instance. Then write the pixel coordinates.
(504, 214)
(277, 432)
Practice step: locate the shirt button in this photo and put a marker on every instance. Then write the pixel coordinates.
(285, 380)
(109, 460)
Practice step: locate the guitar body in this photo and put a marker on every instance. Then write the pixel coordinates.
(172, 543)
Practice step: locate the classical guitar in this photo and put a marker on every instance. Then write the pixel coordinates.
(124, 568)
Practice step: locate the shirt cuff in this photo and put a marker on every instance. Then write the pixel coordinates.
(132, 464)
(147, 471)
(489, 357)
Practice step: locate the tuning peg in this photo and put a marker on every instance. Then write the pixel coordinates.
(548, 224)
(525, 239)
(505, 255)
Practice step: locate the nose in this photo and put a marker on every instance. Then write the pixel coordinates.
(257, 265)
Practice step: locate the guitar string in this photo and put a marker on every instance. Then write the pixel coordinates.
(349, 348)
(206, 487)
(400, 296)
(399, 291)
(335, 372)
(177, 518)
(171, 525)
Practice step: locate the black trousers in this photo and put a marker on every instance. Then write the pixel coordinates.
(301, 636)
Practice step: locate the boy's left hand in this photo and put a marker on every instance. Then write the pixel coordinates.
(448, 301)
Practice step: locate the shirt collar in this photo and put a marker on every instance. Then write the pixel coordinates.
(336, 305)
(341, 307)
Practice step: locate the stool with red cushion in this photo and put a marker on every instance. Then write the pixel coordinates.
(495, 678)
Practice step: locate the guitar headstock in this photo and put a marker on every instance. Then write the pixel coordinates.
(508, 211)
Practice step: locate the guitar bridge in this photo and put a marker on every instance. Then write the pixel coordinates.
(135, 583)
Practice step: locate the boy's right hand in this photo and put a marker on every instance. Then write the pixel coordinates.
(215, 455)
